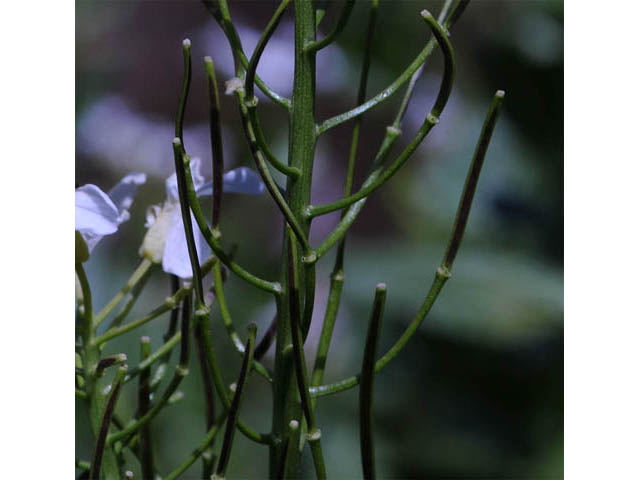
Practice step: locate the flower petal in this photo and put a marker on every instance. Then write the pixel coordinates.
(175, 259)
(240, 180)
(125, 191)
(96, 214)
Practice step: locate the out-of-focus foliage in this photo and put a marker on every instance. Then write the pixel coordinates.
(478, 393)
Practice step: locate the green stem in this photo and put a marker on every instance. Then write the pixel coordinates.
(223, 17)
(367, 448)
(333, 304)
(464, 207)
(314, 47)
(213, 240)
(180, 160)
(267, 339)
(337, 276)
(434, 291)
(302, 140)
(309, 298)
(97, 402)
(384, 94)
(209, 393)
(264, 147)
(234, 409)
(261, 164)
(138, 276)
(228, 323)
(443, 273)
(181, 371)
(314, 435)
(215, 133)
(392, 134)
(195, 454)
(186, 83)
(144, 403)
(262, 43)
(161, 370)
(430, 121)
(130, 301)
(98, 452)
(116, 332)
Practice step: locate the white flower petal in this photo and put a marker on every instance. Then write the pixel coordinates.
(175, 259)
(240, 180)
(125, 191)
(96, 214)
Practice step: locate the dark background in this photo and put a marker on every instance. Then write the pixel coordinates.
(478, 392)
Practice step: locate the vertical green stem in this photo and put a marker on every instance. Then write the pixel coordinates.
(144, 403)
(91, 357)
(367, 448)
(302, 139)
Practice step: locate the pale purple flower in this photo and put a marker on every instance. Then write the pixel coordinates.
(165, 241)
(99, 214)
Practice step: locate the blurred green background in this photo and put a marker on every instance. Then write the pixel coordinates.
(478, 392)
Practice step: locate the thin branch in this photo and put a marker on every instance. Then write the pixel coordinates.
(464, 207)
(186, 83)
(395, 85)
(267, 339)
(430, 121)
(316, 46)
(443, 273)
(180, 159)
(229, 326)
(181, 371)
(367, 448)
(223, 17)
(314, 435)
(215, 133)
(287, 170)
(234, 410)
(392, 134)
(139, 275)
(101, 442)
(260, 46)
(144, 403)
(213, 241)
(204, 445)
(261, 164)
(171, 330)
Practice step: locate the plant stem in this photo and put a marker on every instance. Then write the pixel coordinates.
(204, 445)
(347, 7)
(367, 447)
(138, 276)
(213, 240)
(96, 461)
(215, 133)
(430, 121)
(443, 273)
(223, 17)
(337, 275)
(302, 140)
(144, 403)
(234, 410)
(97, 402)
(181, 371)
(314, 435)
(228, 323)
